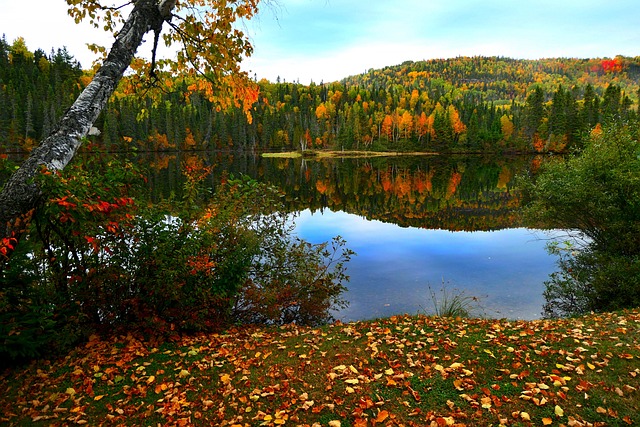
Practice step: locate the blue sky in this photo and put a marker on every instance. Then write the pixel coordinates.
(325, 40)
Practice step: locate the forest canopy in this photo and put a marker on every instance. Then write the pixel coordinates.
(469, 104)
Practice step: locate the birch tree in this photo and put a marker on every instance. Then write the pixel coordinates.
(211, 46)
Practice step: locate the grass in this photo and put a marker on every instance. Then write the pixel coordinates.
(344, 154)
(453, 302)
(400, 371)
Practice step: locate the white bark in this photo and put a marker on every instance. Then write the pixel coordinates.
(20, 195)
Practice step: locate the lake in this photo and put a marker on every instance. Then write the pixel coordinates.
(416, 223)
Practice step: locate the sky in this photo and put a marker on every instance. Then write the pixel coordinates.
(327, 40)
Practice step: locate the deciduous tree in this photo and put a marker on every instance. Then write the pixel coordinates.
(210, 45)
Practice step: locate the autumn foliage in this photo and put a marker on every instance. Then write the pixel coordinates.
(99, 257)
(402, 371)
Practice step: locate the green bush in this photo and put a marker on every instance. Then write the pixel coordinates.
(595, 196)
(99, 256)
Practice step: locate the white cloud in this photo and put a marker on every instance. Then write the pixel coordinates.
(331, 39)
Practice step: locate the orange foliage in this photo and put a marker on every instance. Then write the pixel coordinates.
(538, 143)
(454, 181)
(402, 186)
(423, 182)
(321, 111)
(422, 125)
(160, 141)
(387, 127)
(430, 127)
(456, 122)
(406, 124)
(189, 140)
(387, 184)
(597, 130)
(321, 186)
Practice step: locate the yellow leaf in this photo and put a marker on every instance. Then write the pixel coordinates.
(70, 391)
(98, 397)
(352, 381)
(225, 378)
(486, 402)
(547, 421)
(525, 416)
(559, 411)
(335, 423)
(151, 379)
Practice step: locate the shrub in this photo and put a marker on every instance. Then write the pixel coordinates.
(595, 196)
(99, 256)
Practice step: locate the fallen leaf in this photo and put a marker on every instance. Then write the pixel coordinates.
(382, 415)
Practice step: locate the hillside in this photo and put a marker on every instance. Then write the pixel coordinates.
(502, 80)
(465, 104)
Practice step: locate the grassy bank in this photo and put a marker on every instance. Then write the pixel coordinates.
(411, 371)
(343, 154)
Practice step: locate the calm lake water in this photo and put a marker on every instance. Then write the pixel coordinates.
(395, 266)
(414, 222)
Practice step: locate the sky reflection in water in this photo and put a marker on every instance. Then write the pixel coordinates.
(395, 266)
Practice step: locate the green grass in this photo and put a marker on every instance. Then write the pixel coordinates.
(453, 302)
(411, 371)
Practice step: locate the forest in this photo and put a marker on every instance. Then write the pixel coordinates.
(464, 104)
(230, 250)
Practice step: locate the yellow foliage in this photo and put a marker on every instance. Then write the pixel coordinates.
(208, 43)
(507, 127)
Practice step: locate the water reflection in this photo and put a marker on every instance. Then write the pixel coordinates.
(395, 265)
(413, 221)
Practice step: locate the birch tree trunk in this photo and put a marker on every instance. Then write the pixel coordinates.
(20, 195)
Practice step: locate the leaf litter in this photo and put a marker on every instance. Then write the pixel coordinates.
(399, 371)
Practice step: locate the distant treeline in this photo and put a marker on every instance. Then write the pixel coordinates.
(464, 104)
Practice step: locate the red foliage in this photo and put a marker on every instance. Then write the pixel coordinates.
(612, 65)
